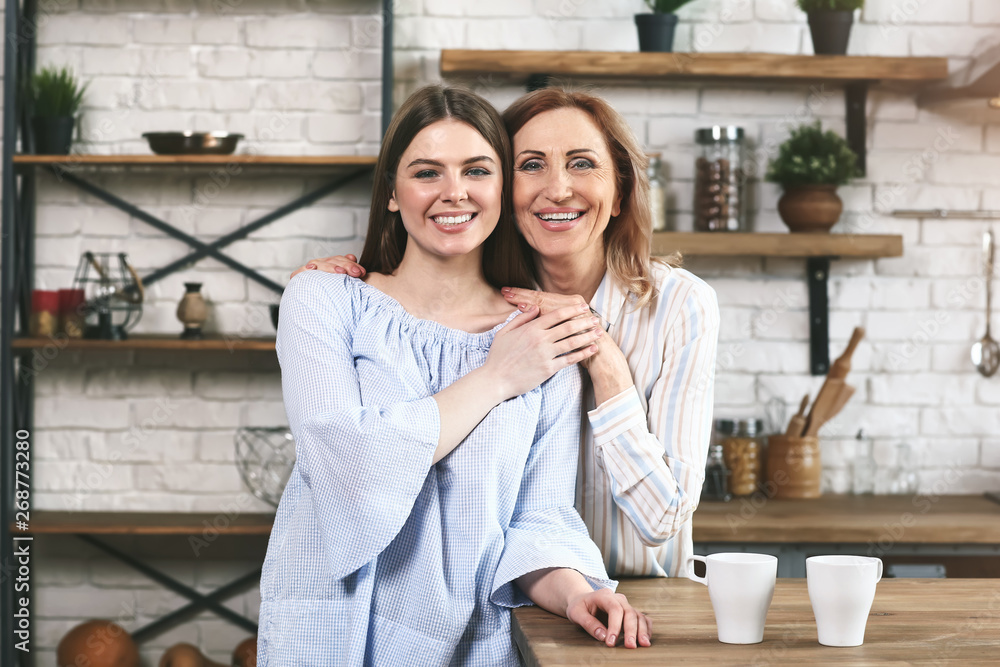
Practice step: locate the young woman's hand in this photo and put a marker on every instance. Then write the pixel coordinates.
(532, 347)
(336, 264)
(626, 623)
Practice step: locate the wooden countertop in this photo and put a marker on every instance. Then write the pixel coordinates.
(924, 519)
(932, 621)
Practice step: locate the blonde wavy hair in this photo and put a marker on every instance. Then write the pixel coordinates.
(628, 237)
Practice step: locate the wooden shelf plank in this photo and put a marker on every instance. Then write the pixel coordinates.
(151, 342)
(197, 160)
(773, 66)
(777, 245)
(146, 523)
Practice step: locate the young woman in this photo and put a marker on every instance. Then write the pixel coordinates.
(436, 428)
(581, 204)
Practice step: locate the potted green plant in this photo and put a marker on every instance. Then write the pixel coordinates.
(54, 96)
(811, 164)
(656, 30)
(830, 23)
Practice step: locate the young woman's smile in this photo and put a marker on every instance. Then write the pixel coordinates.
(448, 189)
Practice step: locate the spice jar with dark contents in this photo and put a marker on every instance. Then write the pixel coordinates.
(719, 203)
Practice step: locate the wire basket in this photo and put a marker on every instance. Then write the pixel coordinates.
(264, 457)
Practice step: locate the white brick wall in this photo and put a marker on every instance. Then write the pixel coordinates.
(147, 431)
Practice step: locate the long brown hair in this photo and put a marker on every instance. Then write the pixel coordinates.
(628, 237)
(503, 262)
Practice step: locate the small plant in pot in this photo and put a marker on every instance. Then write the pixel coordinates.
(656, 30)
(54, 96)
(810, 166)
(830, 24)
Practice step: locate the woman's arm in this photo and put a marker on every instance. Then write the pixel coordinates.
(655, 462)
(525, 353)
(548, 557)
(566, 592)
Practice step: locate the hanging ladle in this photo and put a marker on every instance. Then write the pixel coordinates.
(986, 351)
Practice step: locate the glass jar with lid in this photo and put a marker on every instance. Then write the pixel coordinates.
(744, 455)
(719, 201)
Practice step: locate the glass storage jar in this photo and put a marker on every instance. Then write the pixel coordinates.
(657, 193)
(744, 453)
(719, 202)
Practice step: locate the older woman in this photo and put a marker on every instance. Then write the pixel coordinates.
(581, 203)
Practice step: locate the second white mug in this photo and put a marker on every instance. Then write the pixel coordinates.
(841, 590)
(740, 586)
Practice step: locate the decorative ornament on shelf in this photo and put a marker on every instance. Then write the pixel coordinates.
(810, 165)
(113, 295)
(265, 457)
(830, 24)
(656, 30)
(54, 97)
(192, 311)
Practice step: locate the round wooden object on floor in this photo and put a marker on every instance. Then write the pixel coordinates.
(810, 209)
(245, 653)
(794, 469)
(186, 655)
(97, 643)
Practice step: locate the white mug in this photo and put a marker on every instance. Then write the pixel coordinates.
(841, 590)
(740, 586)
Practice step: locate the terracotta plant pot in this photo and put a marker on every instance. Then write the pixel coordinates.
(810, 209)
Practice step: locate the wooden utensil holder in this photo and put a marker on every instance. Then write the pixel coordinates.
(794, 469)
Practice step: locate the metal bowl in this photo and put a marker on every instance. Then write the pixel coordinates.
(192, 143)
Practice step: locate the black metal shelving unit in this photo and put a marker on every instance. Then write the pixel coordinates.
(17, 267)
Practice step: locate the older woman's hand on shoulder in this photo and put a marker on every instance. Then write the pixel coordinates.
(334, 264)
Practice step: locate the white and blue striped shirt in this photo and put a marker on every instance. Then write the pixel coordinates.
(643, 452)
(378, 557)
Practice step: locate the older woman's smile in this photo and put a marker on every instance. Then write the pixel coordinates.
(565, 191)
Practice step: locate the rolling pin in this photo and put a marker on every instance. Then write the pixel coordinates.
(827, 398)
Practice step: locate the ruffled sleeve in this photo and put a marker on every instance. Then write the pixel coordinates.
(546, 531)
(364, 464)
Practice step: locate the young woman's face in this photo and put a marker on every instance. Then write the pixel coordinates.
(448, 189)
(564, 183)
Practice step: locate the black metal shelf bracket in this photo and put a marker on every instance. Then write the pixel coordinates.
(817, 277)
(198, 601)
(856, 102)
(206, 249)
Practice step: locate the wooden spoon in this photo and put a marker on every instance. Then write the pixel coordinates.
(798, 421)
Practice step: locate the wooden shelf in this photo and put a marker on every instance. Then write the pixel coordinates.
(519, 65)
(151, 342)
(325, 161)
(145, 523)
(730, 244)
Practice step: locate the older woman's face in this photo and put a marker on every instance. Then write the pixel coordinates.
(564, 184)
